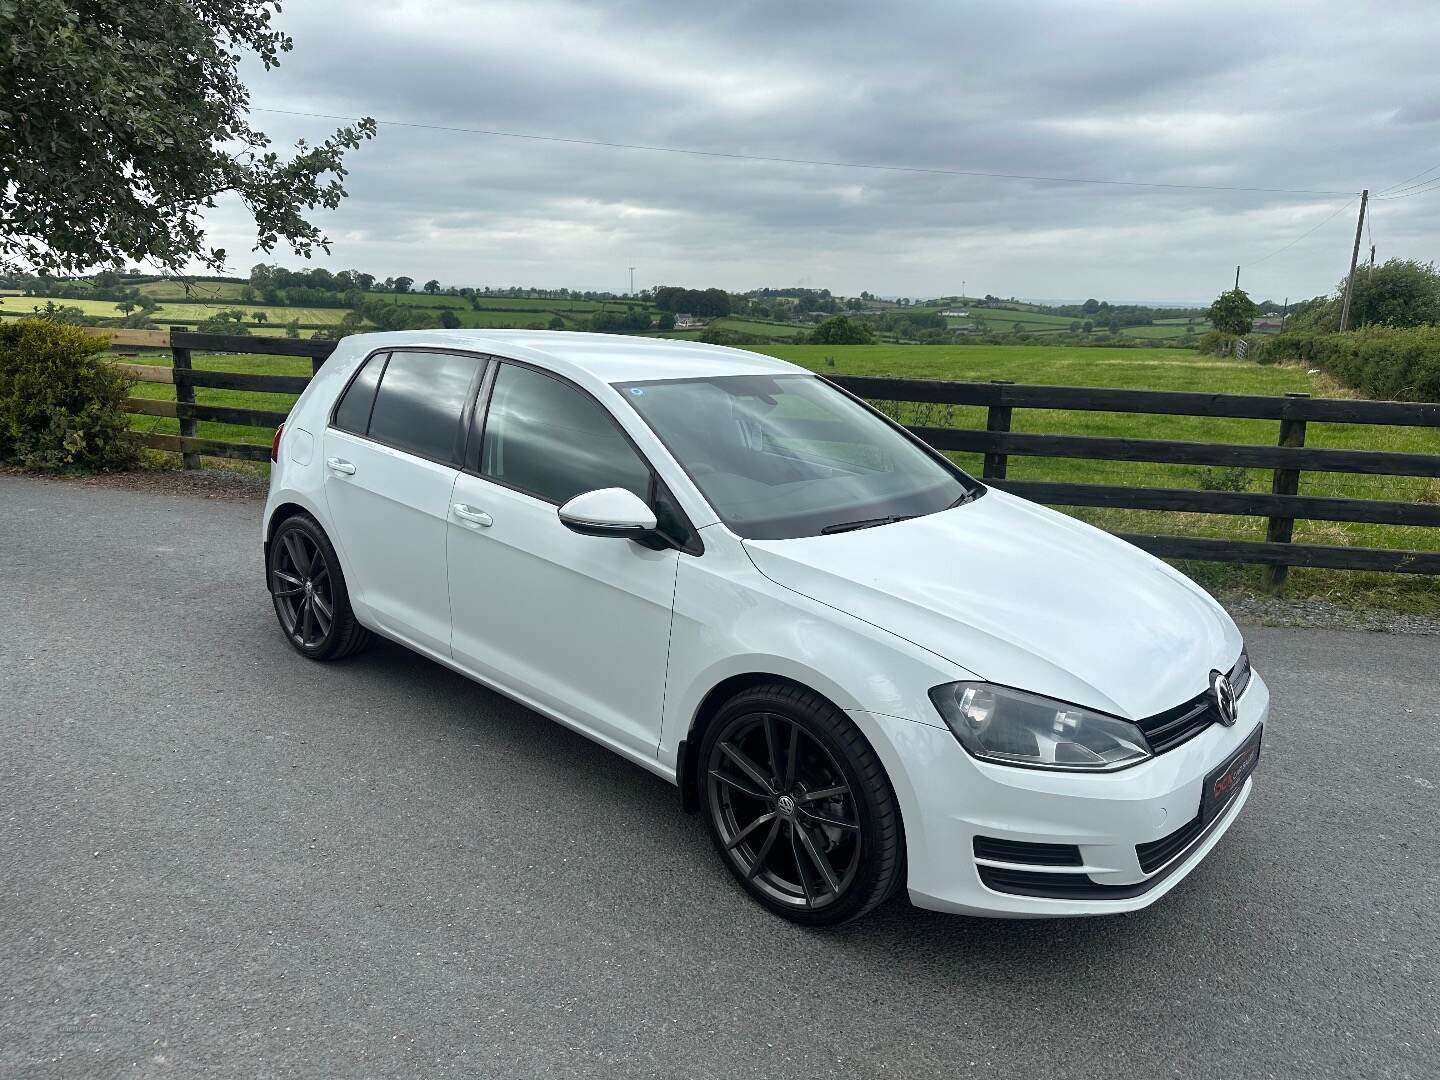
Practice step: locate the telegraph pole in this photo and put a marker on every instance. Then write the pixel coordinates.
(1354, 258)
(1372, 256)
(632, 281)
(1237, 277)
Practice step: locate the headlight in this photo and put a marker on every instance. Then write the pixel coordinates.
(1015, 728)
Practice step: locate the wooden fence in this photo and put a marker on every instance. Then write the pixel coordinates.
(1286, 459)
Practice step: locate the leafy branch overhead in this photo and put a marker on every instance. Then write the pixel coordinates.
(122, 122)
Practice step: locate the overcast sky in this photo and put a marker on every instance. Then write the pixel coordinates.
(1320, 97)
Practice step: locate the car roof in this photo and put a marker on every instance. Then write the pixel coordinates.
(609, 358)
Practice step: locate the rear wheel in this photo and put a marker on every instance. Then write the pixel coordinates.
(308, 590)
(799, 806)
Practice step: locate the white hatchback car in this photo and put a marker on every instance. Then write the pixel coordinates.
(862, 665)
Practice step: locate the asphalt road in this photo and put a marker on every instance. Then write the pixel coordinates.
(218, 859)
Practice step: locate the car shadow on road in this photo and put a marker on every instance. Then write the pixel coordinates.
(894, 938)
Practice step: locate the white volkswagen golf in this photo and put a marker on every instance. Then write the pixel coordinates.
(864, 667)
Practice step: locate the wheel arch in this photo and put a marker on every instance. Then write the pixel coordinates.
(687, 764)
(278, 516)
(290, 506)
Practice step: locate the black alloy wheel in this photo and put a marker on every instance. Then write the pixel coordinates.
(799, 806)
(309, 592)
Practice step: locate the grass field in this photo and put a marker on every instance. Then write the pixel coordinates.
(27, 305)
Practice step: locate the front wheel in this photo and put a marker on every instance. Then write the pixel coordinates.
(799, 806)
(308, 590)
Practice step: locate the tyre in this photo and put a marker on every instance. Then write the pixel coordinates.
(308, 590)
(799, 807)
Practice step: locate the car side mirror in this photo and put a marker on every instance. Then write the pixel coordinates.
(608, 512)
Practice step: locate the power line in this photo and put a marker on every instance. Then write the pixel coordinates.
(1345, 206)
(795, 161)
(1402, 183)
(1414, 189)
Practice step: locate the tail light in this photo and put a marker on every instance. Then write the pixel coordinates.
(275, 443)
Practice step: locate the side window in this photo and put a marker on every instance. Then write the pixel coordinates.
(353, 412)
(421, 400)
(550, 440)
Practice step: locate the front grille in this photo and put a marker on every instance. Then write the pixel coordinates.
(1021, 851)
(1173, 727)
(1157, 853)
(1167, 730)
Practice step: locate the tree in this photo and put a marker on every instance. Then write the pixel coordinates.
(666, 321)
(402, 284)
(1401, 293)
(841, 330)
(432, 286)
(124, 121)
(1090, 306)
(259, 317)
(230, 322)
(1232, 312)
(448, 319)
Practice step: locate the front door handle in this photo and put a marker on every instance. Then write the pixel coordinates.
(339, 465)
(473, 516)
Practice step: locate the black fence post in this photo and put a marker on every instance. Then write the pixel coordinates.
(997, 418)
(184, 395)
(1279, 530)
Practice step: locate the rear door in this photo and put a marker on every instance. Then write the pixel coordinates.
(577, 624)
(392, 452)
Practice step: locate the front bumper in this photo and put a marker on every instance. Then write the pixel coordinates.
(953, 798)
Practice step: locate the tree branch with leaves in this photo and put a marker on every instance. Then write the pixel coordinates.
(122, 122)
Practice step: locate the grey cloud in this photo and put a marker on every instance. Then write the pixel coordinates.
(1162, 92)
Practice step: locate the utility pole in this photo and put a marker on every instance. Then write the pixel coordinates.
(1237, 277)
(1354, 258)
(632, 281)
(1284, 312)
(1372, 256)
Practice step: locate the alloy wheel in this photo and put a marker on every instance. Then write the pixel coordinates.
(784, 811)
(301, 585)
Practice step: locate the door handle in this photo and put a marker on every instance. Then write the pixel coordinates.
(338, 465)
(473, 516)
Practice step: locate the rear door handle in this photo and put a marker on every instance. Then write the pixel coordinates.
(473, 516)
(339, 465)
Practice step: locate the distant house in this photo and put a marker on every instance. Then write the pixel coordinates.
(962, 328)
(686, 321)
(1268, 324)
(956, 314)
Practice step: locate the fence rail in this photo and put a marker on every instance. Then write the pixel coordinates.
(1287, 458)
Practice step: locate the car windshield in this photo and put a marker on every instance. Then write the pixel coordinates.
(781, 456)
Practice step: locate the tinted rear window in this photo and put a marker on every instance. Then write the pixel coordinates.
(421, 400)
(353, 412)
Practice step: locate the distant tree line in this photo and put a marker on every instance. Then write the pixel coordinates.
(707, 303)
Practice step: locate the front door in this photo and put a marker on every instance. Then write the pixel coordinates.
(391, 456)
(578, 624)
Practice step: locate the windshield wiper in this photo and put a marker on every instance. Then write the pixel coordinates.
(864, 523)
(969, 497)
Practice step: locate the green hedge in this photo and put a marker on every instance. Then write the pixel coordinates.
(1379, 361)
(62, 403)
